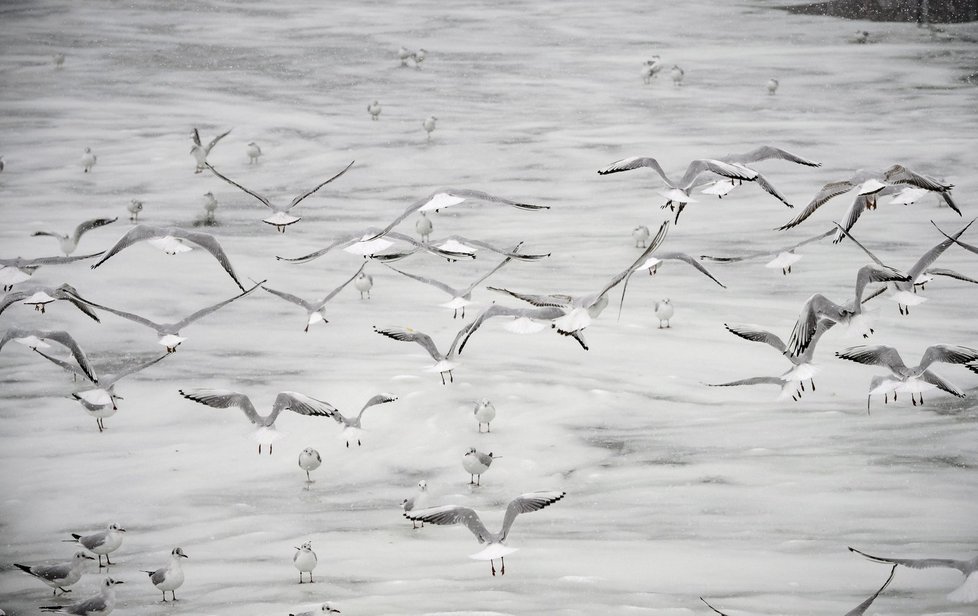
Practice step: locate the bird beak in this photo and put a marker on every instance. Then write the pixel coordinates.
(119, 582)
(89, 557)
(184, 556)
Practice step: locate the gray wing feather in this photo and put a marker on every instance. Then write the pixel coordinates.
(919, 563)
(766, 152)
(88, 225)
(333, 293)
(214, 141)
(525, 503)
(860, 609)
(637, 162)
(830, 190)
(685, 258)
(756, 335)
(700, 166)
(66, 366)
(301, 404)
(203, 312)
(939, 271)
(452, 514)
(405, 335)
(222, 399)
(261, 198)
(296, 201)
(948, 354)
(875, 355)
(108, 381)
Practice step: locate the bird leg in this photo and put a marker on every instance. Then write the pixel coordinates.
(478, 479)
(173, 595)
(442, 377)
(812, 381)
(502, 565)
(269, 449)
(98, 422)
(801, 384)
(471, 479)
(259, 448)
(107, 561)
(493, 566)
(488, 428)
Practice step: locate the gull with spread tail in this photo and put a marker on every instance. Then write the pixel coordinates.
(315, 311)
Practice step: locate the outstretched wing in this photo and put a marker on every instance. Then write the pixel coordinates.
(544, 314)
(898, 174)
(88, 225)
(223, 399)
(203, 312)
(931, 377)
(66, 366)
(375, 400)
(727, 170)
(452, 514)
(209, 243)
(685, 258)
(931, 255)
(875, 355)
(430, 281)
(513, 254)
(755, 334)
(919, 563)
(830, 190)
(525, 503)
(754, 380)
(301, 404)
(135, 318)
(948, 354)
(61, 337)
(138, 233)
(558, 300)
(131, 369)
(214, 140)
(291, 298)
(766, 152)
(940, 271)
(296, 201)
(637, 162)
(860, 609)
(342, 286)
(410, 335)
(261, 198)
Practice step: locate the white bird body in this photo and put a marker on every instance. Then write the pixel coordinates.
(374, 109)
(417, 502)
(424, 227)
(664, 311)
(484, 412)
(966, 593)
(101, 543)
(325, 608)
(429, 125)
(475, 463)
(134, 208)
(772, 86)
(88, 160)
(315, 310)
(254, 152)
(69, 243)
(60, 575)
(210, 207)
(677, 75)
(309, 460)
(305, 560)
(170, 577)
(363, 284)
(100, 604)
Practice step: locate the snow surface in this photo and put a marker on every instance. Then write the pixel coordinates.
(675, 490)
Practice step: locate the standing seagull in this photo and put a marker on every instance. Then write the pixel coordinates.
(135, 207)
(200, 152)
(966, 593)
(210, 206)
(455, 514)
(316, 311)
(641, 235)
(352, 425)
(69, 243)
(444, 362)
(475, 463)
(281, 218)
(424, 227)
(429, 125)
(374, 110)
(285, 401)
(305, 560)
(101, 543)
(484, 412)
(772, 86)
(60, 575)
(253, 153)
(677, 75)
(364, 283)
(169, 577)
(417, 502)
(309, 460)
(664, 311)
(101, 604)
(88, 160)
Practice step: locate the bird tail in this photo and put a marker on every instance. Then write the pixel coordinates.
(147, 572)
(74, 539)
(23, 568)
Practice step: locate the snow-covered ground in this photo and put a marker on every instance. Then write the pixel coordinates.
(674, 490)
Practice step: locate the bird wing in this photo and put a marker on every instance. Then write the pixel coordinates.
(209, 243)
(636, 162)
(875, 273)
(754, 334)
(482, 278)
(766, 152)
(39, 261)
(898, 174)
(296, 201)
(814, 307)
(430, 281)
(452, 514)
(939, 271)
(711, 607)
(213, 142)
(222, 399)
(727, 170)
(948, 354)
(196, 137)
(931, 255)
(410, 335)
(301, 404)
(685, 258)
(754, 380)
(525, 503)
(261, 198)
(918, 563)
(844, 232)
(375, 400)
(333, 293)
(967, 247)
(931, 377)
(769, 188)
(347, 239)
(860, 609)
(51, 573)
(495, 310)
(764, 253)
(138, 233)
(88, 225)
(291, 298)
(122, 313)
(66, 366)
(130, 369)
(558, 300)
(64, 339)
(830, 190)
(875, 355)
(203, 312)
(512, 253)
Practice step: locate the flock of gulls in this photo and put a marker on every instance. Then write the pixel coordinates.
(520, 311)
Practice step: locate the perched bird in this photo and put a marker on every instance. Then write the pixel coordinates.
(88, 160)
(918, 379)
(475, 463)
(444, 362)
(677, 75)
(169, 332)
(281, 218)
(305, 560)
(424, 227)
(18, 270)
(315, 311)
(40, 296)
(172, 240)
(404, 54)
(363, 284)
(496, 548)
(417, 502)
(60, 575)
(663, 311)
(101, 604)
(419, 57)
(772, 86)
(374, 109)
(651, 69)
(966, 593)
(210, 206)
(309, 460)
(169, 577)
(266, 433)
(101, 543)
(641, 235)
(325, 608)
(784, 257)
(253, 152)
(59, 60)
(351, 425)
(69, 243)
(200, 151)
(135, 207)
(484, 412)
(100, 401)
(37, 338)
(1, 164)
(429, 125)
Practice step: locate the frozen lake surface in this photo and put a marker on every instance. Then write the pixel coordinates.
(674, 490)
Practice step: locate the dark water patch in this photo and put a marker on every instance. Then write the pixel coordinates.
(950, 11)
(919, 462)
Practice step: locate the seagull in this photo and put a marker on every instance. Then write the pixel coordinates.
(784, 257)
(663, 311)
(496, 548)
(859, 610)
(281, 218)
(18, 270)
(818, 306)
(651, 69)
(200, 151)
(374, 110)
(966, 593)
(404, 54)
(325, 608)
(36, 338)
(417, 502)
(1, 164)
(309, 460)
(59, 60)
(210, 206)
(678, 194)
(315, 311)
(40, 296)
(88, 160)
(523, 321)
(461, 297)
(475, 463)
(653, 262)
(641, 235)
(429, 125)
(100, 401)
(253, 153)
(100, 543)
(788, 388)
(484, 412)
(60, 575)
(419, 57)
(169, 577)
(721, 188)
(171, 241)
(444, 362)
(363, 284)
(906, 290)
(169, 332)
(69, 243)
(468, 247)
(677, 75)
(862, 37)
(266, 434)
(804, 369)
(447, 197)
(135, 207)
(424, 227)
(368, 243)
(97, 605)
(772, 86)
(917, 379)
(305, 560)
(352, 425)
